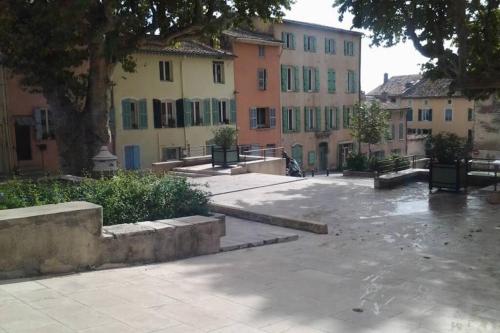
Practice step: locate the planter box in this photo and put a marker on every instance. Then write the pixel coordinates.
(225, 157)
(451, 176)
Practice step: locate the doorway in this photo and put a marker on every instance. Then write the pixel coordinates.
(323, 156)
(23, 142)
(344, 150)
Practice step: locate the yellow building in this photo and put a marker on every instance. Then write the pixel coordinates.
(169, 107)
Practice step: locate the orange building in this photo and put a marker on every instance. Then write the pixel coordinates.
(257, 85)
(27, 136)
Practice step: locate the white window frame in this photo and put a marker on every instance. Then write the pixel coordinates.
(218, 72)
(309, 44)
(262, 51)
(164, 113)
(287, 43)
(311, 73)
(426, 114)
(446, 113)
(331, 46)
(164, 64)
(262, 78)
(331, 116)
(311, 117)
(196, 118)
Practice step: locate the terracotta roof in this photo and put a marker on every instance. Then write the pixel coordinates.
(431, 88)
(250, 35)
(396, 85)
(321, 27)
(188, 48)
(385, 105)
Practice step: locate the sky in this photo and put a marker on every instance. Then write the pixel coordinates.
(397, 60)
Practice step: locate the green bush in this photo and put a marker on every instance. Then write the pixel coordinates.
(126, 198)
(373, 163)
(356, 162)
(225, 137)
(447, 147)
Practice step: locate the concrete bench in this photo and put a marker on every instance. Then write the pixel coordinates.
(394, 179)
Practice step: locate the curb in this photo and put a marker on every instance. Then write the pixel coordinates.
(281, 221)
(247, 245)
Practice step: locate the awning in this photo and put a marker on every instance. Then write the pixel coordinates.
(25, 121)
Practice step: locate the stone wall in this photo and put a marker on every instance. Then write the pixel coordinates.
(69, 237)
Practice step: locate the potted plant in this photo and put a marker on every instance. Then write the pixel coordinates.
(448, 167)
(225, 151)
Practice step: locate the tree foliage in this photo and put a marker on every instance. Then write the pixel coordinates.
(67, 50)
(460, 37)
(369, 123)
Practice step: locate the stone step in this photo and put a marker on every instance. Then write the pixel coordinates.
(232, 244)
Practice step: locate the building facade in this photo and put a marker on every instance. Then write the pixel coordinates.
(320, 73)
(487, 128)
(170, 106)
(257, 85)
(28, 144)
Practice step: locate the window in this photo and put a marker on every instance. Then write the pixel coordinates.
(43, 124)
(262, 78)
(291, 119)
(169, 154)
(166, 71)
(309, 43)
(311, 79)
(218, 71)
(411, 131)
(345, 116)
(331, 118)
(134, 114)
(401, 131)
(348, 48)
(425, 115)
(331, 81)
(312, 119)
(197, 119)
(448, 115)
(164, 114)
(289, 78)
(262, 51)
(223, 112)
(288, 40)
(329, 46)
(351, 82)
(379, 155)
(470, 114)
(262, 118)
(409, 115)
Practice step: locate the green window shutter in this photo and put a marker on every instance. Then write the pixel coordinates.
(327, 118)
(316, 79)
(337, 118)
(327, 50)
(345, 47)
(215, 112)
(318, 119)
(284, 78)
(284, 117)
(206, 112)
(126, 114)
(297, 119)
(305, 43)
(311, 157)
(188, 112)
(331, 81)
(305, 78)
(354, 82)
(334, 79)
(296, 77)
(293, 41)
(306, 120)
(232, 114)
(314, 44)
(344, 117)
(283, 38)
(143, 114)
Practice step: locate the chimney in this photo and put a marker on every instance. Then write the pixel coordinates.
(386, 78)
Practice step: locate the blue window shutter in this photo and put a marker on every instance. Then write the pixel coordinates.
(126, 114)
(232, 114)
(188, 113)
(284, 119)
(143, 114)
(296, 78)
(253, 118)
(318, 119)
(284, 78)
(137, 158)
(316, 79)
(206, 112)
(37, 114)
(272, 118)
(297, 119)
(215, 111)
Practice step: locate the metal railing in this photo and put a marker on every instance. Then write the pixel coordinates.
(196, 151)
(488, 165)
(400, 163)
(262, 153)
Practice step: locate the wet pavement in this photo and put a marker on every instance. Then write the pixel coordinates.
(400, 260)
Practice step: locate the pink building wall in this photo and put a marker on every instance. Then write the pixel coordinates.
(248, 95)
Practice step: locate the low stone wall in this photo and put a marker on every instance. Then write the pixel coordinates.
(70, 237)
(352, 173)
(270, 166)
(394, 179)
(162, 167)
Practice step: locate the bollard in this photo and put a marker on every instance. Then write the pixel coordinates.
(312, 173)
(327, 172)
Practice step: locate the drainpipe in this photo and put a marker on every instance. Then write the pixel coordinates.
(182, 97)
(4, 119)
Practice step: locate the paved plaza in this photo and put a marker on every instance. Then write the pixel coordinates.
(399, 260)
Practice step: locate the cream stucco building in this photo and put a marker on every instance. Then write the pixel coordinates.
(320, 75)
(170, 105)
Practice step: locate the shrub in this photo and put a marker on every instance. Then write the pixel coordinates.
(447, 147)
(127, 197)
(356, 162)
(225, 137)
(373, 163)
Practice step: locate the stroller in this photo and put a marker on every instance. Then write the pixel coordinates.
(292, 167)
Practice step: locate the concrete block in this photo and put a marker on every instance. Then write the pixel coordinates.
(222, 222)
